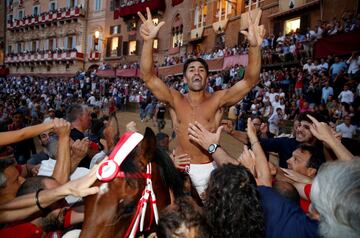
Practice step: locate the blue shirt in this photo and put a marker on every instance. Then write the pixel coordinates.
(284, 218)
(284, 146)
(336, 67)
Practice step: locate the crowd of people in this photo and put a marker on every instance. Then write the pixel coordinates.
(308, 114)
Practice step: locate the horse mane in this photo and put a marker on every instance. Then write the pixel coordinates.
(170, 176)
(168, 172)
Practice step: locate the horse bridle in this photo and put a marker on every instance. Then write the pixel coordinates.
(148, 195)
(110, 169)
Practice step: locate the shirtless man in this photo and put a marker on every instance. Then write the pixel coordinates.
(198, 105)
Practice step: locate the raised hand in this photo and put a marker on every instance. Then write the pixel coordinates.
(199, 134)
(247, 159)
(181, 161)
(81, 187)
(321, 130)
(61, 127)
(148, 30)
(255, 33)
(131, 126)
(296, 177)
(251, 130)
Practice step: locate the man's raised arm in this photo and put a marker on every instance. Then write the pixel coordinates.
(148, 32)
(255, 36)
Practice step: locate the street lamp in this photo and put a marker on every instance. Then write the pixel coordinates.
(97, 34)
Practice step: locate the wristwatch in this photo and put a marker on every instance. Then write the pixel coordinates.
(212, 148)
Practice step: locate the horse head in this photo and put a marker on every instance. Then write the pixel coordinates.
(110, 212)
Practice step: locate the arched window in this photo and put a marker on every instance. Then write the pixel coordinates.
(177, 32)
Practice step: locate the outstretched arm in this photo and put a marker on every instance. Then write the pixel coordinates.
(199, 134)
(263, 176)
(23, 206)
(10, 137)
(148, 32)
(323, 132)
(255, 36)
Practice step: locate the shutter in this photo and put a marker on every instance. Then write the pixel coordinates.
(37, 45)
(46, 44)
(54, 43)
(118, 50)
(90, 43)
(304, 23)
(278, 28)
(108, 47)
(125, 48)
(68, 3)
(73, 42)
(137, 49)
(66, 42)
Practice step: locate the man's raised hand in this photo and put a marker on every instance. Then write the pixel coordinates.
(148, 30)
(256, 32)
(61, 127)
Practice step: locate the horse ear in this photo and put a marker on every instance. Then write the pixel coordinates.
(148, 144)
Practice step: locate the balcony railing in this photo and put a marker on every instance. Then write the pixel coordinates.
(46, 17)
(43, 57)
(93, 56)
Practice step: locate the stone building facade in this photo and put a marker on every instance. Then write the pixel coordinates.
(108, 30)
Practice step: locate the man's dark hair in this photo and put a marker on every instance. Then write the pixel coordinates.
(303, 117)
(317, 156)
(287, 190)
(32, 184)
(183, 212)
(75, 111)
(189, 61)
(232, 205)
(4, 163)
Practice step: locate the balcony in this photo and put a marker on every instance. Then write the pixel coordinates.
(94, 56)
(131, 10)
(47, 17)
(43, 57)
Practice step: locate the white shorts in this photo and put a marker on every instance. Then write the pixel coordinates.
(200, 175)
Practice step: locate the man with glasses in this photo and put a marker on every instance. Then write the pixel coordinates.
(285, 146)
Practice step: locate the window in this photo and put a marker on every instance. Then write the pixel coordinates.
(224, 7)
(114, 43)
(9, 49)
(18, 47)
(97, 5)
(36, 10)
(20, 14)
(52, 6)
(200, 15)
(33, 45)
(292, 25)
(71, 3)
(132, 47)
(132, 26)
(10, 18)
(177, 36)
(115, 30)
(156, 44)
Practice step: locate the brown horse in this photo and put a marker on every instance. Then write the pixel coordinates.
(110, 214)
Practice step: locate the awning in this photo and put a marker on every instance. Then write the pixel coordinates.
(334, 45)
(110, 73)
(139, 7)
(127, 73)
(46, 75)
(301, 7)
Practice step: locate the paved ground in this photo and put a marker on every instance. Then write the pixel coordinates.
(232, 146)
